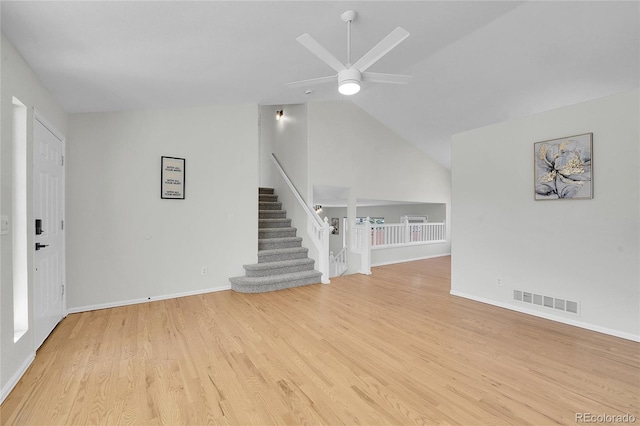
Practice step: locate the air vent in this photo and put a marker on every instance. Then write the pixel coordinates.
(572, 307)
(546, 301)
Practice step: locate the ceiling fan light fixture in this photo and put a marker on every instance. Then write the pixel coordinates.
(349, 81)
(349, 87)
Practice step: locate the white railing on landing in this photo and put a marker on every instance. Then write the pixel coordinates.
(317, 228)
(338, 263)
(399, 234)
(367, 236)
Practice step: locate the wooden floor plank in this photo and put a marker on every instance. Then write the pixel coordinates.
(390, 348)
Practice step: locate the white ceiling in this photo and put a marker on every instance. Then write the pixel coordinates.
(474, 63)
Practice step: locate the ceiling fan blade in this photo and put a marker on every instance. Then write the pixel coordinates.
(313, 81)
(379, 50)
(376, 77)
(317, 49)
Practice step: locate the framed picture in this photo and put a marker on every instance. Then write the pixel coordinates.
(172, 178)
(335, 223)
(563, 168)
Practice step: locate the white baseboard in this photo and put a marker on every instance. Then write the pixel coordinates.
(545, 315)
(410, 260)
(13, 381)
(144, 300)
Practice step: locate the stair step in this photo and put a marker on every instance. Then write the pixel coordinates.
(275, 282)
(279, 243)
(272, 214)
(264, 190)
(265, 233)
(274, 223)
(279, 268)
(269, 205)
(267, 197)
(276, 255)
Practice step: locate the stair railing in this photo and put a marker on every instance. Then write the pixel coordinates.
(338, 263)
(317, 228)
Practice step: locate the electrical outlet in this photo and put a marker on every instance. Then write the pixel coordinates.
(204, 271)
(4, 220)
(499, 282)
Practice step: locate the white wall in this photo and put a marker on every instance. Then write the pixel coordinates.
(348, 147)
(583, 250)
(20, 81)
(125, 243)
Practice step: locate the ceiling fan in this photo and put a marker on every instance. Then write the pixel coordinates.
(350, 76)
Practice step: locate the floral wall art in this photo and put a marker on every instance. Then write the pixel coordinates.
(563, 168)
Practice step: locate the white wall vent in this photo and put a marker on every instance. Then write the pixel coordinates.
(572, 307)
(546, 301)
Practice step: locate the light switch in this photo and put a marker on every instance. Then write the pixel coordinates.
(4, 225)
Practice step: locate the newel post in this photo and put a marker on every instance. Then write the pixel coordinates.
(324, 264)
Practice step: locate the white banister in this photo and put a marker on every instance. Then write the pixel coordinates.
(317, 228)
(338, 263)
(368, 236)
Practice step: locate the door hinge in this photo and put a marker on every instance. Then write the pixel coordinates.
(62, 289)
(62, 225)
(62, 160)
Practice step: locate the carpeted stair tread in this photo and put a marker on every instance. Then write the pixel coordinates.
(274, 223)
(264, 190)
(280, 264)
(275, 255)
(269, 205)
(272, 214)
(274, 282)
(278, 268)
(276, 243)
(267, 198)
(265, 233)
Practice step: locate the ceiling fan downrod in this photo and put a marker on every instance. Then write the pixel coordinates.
(348, 17)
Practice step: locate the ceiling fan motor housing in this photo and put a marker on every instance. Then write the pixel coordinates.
(349, 76)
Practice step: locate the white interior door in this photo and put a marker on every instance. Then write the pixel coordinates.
(48, 207)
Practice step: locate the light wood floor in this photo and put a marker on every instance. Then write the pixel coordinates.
(390, 348)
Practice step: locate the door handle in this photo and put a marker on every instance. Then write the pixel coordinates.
(39, 246)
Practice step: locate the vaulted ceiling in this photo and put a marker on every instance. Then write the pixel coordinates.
(474, 63)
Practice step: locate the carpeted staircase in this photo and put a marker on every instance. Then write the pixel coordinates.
(282, 261)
